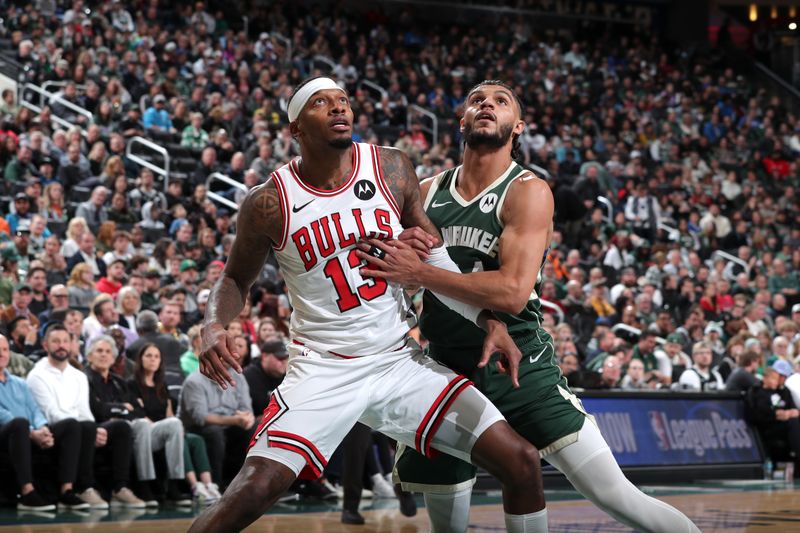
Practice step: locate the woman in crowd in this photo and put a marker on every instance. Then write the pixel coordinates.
(128, 305)
(81, 287)
(52, 203)
(75, 229)
(151, 392)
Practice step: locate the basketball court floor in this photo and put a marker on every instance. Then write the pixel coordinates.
(724, 506)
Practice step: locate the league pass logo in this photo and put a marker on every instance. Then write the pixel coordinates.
(488, 202)
(364, 190)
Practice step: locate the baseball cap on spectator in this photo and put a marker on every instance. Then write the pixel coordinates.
(21, 196)
(159, 98)
(23, 287)
(222, 212)
(217, 263)
(202, 296)
(9, 253)
(636, 154)
(784, 368)
(170, 46)
(276, 348)
(187, 264)
(675, 338)
(152, 273)
(796, 308)
(712, 327)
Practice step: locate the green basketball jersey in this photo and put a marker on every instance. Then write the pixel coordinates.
(471, 231)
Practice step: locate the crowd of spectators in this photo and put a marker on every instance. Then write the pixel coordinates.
(658, 158)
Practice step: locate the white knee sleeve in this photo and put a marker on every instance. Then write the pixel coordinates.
(449, 512)
(591, 468)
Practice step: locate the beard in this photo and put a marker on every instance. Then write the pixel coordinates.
(340, 144)
(489, 140)
(60, 355)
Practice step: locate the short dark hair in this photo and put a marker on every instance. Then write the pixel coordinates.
(55, 326)
(32, 271)
(646, 335)
(97, 308)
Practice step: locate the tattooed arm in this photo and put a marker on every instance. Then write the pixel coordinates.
(258, 227)
(398, 171)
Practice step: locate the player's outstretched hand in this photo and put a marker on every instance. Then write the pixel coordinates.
(217, 354)
(419, 240)
(499, 341)
(391, 260)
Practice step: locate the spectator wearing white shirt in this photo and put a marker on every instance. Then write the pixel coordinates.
(62, 392)
(701, 377)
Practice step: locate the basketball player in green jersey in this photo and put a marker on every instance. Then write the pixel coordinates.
(496, 220)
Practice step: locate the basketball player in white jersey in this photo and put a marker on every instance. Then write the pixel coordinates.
(351, 359)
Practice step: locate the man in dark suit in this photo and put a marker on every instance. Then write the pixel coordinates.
(87, 254)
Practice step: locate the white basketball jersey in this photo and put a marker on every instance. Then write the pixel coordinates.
(335, 309)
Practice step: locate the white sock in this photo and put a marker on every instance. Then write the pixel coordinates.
(527, 523)
(449, 512)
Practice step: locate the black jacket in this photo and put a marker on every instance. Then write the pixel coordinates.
(107, 398)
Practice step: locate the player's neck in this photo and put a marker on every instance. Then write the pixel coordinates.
(325, 167)
(481, 167)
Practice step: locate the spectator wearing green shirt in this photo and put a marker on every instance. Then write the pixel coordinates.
(189, 361)
(782, 281)
(645, 352)
(193, 135)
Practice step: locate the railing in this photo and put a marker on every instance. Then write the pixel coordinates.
(328, 62)
(609, 208)
(60, 84)
(414, 110)
(374, 87)
(554, 308)
(766, 74)
(59, 121)
(216, 176)
(731, 259)
(161, 171)
(633, 331)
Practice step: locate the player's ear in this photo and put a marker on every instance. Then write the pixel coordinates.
(519, 127)
(461, 124)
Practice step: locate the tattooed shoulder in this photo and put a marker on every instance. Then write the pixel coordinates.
(261, 211)
(399, 173)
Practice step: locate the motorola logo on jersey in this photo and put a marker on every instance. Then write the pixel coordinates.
(364, 190)
(488, 202)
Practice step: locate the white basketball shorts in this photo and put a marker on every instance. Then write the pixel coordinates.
(402, 394)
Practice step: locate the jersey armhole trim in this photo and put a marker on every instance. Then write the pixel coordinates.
(387, 194)
(502, 200)
(284, 209)
(435, 182)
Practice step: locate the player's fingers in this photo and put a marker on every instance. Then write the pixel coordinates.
(370, 258)
(221, 375)
(514, 370)
(231, 356)
(488, 350)
(372, 273)
(417, 234)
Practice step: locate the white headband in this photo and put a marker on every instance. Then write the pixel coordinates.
(298, 101)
